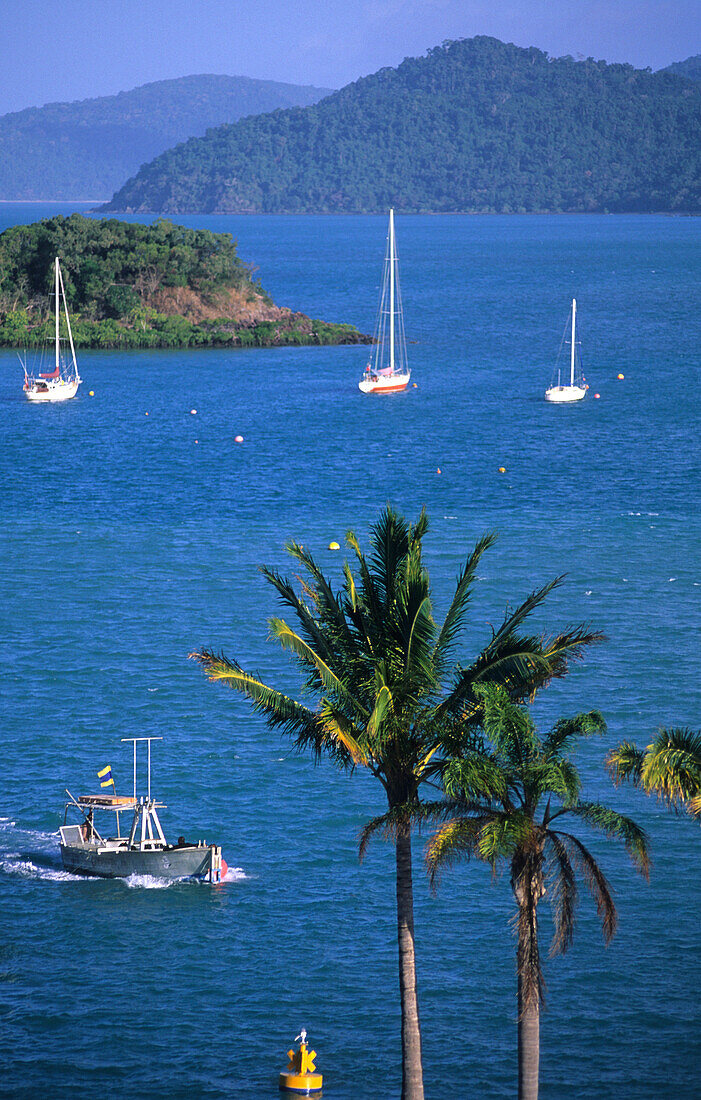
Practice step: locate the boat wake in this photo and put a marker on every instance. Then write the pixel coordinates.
(12, 863)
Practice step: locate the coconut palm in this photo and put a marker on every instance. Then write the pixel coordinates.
(507, 797)
(385, 692)
(670, 767)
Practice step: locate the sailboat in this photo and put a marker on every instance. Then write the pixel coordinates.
(62, 383)
(388, 371)
(576, 389)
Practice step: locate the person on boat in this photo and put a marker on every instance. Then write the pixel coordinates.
(87, 828)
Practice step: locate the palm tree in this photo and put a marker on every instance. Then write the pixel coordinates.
(506, 797)
(670, 767)
(385, 691)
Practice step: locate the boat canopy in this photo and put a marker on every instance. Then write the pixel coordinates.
(106, 802)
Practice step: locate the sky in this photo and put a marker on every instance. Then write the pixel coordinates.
(61, 50)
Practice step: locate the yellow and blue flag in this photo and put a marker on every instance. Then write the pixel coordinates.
(105, 776)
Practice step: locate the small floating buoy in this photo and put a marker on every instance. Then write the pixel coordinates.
(238, 439)
(597, 395)
(145, 414)
(193, 412)
(620, 377)
(415, 385)
(300, 1076)
(91, 394)
(502, 469)
(438, 470)
(334, 546)
(197, 441)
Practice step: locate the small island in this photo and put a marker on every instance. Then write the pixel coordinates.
(144, 286)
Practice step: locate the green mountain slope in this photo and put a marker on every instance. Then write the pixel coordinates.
(133, 286)
(88, 148)
(691, 68)
(476, 125)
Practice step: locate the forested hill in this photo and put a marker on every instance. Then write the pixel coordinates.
(476, 125)
(158, 285)
(691, 68)
(87, 149)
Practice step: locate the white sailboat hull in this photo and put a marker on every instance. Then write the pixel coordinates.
(564, 394)
(391, 383)
(54, 391)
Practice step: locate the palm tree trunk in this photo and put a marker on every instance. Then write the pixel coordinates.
(528, 1045)
(412, 1068)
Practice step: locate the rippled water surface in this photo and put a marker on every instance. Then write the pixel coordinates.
(130, 539)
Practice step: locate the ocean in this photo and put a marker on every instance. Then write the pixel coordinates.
(133, 531)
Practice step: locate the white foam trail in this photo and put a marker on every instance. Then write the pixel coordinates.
(235, 874)
(26, 869)
(149, 882)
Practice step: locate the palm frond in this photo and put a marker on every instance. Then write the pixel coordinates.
(389, 540)
(328, 678)
(307, 728)
(397, 819)
(616, 826)
(343, 732)
(507, 726)
(562, 891)
(503, 835)
(567, 730)
(596, 883)
(477, 775)
(672, 766)
(463, 590)
(454, 841)
(625, 762)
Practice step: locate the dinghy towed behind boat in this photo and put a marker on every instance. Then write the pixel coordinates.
(388, 371)
(140, 850)
(576, 389)
(62, 383)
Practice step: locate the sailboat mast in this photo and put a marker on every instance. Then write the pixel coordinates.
(391, 289)
(574, 312)
(56, 304)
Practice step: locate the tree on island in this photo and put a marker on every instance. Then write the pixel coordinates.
(669, 767)
(507, 795)
(387, 693)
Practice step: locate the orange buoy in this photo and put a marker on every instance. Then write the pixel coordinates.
(438, 470)
(502, 469)
(621, 377)
(597, 395)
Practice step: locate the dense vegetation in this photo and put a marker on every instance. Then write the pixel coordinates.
(476, 125)
(88, 148)
(142, 286)
(691, 68)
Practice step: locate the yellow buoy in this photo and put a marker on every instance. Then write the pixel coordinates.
(621, 377)
(301, 1076)
(502, 469)
(91, 394)
(334, 546)
(415, 385)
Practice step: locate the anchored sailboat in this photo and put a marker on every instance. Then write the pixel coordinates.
(388, 371)
(576, 389)
(62, 383)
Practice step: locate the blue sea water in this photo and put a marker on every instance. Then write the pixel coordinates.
(130, 539)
